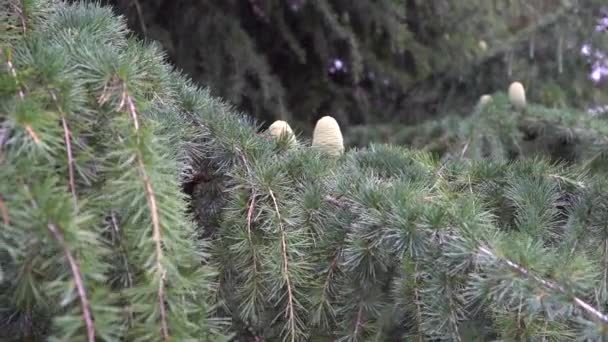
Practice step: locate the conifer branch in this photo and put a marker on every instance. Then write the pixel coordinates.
(13, 72)
(68, 146)
(156, 236)
(249, 218)
(332, 268)
(84, 302)
(74, 268)
(116, 229)
(548, 284)
(290, 300)
(417, 303)
(154, 213)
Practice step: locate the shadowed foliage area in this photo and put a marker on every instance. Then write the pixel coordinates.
(377, 61)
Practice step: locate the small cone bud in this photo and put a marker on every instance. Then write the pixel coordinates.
(484, 100)
(483, 46)
(327, 136)
(279, 128)
(517, 95)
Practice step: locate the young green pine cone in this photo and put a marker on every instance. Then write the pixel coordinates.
(327, 136)
(280, 128)
(517, 95)
(484, 100)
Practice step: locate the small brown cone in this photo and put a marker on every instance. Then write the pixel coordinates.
(327, 136)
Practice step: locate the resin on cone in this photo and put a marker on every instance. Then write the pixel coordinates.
(327, 136)
(517, 95)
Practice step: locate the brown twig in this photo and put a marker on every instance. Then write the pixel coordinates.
(290, 312)
(76, 273)
(84, 302)
(250, 211)
(156, 236)
(68, 146)
(549, 285)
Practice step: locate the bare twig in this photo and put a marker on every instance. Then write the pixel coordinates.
(549, 285)
(290, 312)
(250, 211)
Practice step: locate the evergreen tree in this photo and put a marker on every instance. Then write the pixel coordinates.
(383, 61)
(96, 242)
(108, 155)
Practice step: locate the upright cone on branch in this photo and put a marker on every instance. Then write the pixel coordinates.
(484, 100)
(280, 128)
(517, 95)
(327, 136)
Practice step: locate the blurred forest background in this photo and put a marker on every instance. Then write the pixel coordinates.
(380, 62)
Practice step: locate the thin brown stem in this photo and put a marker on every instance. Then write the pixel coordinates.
(157, 238)
(76, 273)
(68, 146)
(82, 294)
(28, 127)
(290, 312)
(549, 285)
(154, 213)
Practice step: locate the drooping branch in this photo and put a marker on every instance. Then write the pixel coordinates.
(547, 284)
(290, 312)
(154, 213)
(75, 269)
(68, 146)
(21, 93)
(57, 234)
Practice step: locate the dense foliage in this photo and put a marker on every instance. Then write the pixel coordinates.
(135, 206)
(377, 61)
